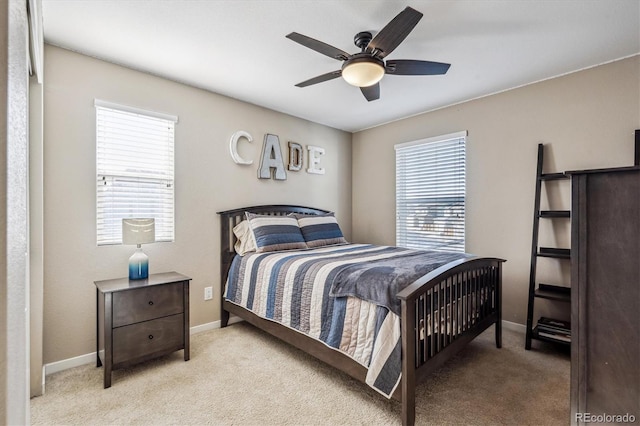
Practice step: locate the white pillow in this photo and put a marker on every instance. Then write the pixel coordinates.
(246, 242)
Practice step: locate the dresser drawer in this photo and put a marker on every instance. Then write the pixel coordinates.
(147, 303)
(149, 337)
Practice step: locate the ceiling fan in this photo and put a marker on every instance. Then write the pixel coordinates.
(366, 68)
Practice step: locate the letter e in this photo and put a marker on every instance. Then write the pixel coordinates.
(314, 160)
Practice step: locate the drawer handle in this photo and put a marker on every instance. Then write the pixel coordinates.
(150, 336)
(150, 302)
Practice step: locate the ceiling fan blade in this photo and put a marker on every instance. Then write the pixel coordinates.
(411, 67)
(319, 79)
(372, 92)
(394, 32)
(318, 46)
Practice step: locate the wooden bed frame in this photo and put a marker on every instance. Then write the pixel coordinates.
(479, 280)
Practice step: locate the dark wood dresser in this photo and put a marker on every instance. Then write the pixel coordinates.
(138, 320)
(605, 305)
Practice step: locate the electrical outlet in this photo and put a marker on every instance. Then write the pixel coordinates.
(208, 293)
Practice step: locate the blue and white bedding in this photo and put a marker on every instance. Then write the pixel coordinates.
(342, 295)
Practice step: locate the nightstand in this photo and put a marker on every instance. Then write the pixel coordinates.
(138, 320)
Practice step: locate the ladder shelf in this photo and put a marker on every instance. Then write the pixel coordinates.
(549, 292)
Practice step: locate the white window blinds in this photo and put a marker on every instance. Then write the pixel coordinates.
(430, 193)
(135, 170)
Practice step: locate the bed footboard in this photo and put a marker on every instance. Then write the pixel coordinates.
(441, 313)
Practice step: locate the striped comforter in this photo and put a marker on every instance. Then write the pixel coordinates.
(342, 295)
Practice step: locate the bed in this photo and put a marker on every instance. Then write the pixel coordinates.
(398, 339)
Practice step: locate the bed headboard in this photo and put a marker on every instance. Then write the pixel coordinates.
(230, 218)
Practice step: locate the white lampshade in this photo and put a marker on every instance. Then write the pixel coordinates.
(363, 73)
(138, 231)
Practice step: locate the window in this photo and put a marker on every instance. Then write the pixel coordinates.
(134, 164)
(430, 193)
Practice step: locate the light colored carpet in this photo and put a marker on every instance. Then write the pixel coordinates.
(240, 376)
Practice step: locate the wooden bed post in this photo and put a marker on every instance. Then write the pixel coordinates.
(224, 315)
(408, 382)
(226, 254)
(498, 297)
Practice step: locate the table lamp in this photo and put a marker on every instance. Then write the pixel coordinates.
(138, 231)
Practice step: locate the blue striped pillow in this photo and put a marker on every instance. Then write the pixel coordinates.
(320, 230)
(274, 233)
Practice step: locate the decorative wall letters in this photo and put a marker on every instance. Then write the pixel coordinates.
(233, 147)
(314, 160)
(271, 161)
(295, 156)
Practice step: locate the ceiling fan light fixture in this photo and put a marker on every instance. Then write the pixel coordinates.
(363, 71)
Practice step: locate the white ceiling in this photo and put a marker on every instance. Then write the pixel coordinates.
(238, 47)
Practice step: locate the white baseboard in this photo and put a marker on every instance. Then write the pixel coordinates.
(65, 364)
(514, 326)
(234, 319)
(204, 327)
(77, 361)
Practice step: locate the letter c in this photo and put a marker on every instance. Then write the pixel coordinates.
(233, 147)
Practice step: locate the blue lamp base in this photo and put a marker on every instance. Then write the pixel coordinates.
(138, 265)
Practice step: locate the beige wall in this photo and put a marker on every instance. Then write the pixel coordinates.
(207, 181)
(586, 118)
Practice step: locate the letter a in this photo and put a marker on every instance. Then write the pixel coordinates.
(271, 159)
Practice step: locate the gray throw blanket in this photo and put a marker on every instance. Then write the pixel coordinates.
(378, 281)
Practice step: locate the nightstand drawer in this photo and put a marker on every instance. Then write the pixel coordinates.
(147, 303)
(139, 340)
